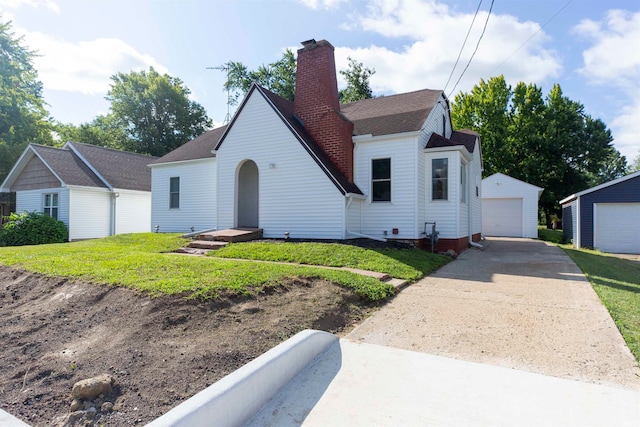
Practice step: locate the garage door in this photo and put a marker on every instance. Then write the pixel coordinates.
(617, 227)
(502, 217)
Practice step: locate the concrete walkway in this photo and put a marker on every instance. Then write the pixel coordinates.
(518, 303)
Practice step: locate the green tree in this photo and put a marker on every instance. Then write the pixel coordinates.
(357, 77)
(635, 165)
(102, 131)
(154, 111)
(549, 142)
(23, 118)
(280, 77)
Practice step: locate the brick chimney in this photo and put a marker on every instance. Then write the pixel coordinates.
(317, 104)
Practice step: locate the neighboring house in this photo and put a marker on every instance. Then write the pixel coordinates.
(509, 207)
(605, 217)
(95, 191)
(313, 168)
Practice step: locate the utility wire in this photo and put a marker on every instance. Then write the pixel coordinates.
(476, 49)
(532, 36)
(462, 48)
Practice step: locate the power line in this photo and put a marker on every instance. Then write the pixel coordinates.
(462, 48)
(476, 49)
(532, 36)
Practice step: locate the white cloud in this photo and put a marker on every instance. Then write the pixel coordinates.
(321, 4)
(614, 56)
(15, 4)
(434, 34)
(85, 66)
(613, 60)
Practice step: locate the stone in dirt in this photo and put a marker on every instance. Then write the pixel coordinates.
(92, 387)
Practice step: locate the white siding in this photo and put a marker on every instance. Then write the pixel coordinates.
(400, 212)
(509, 188)
(433, 124)
(475, 181)
(295, 195)
(197, 196)
(89, 213)
(354, 216)
(445, 213)
(133, 211)
(32, 200)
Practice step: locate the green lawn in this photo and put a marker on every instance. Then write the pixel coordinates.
(407, 264)
(617, 283)
(142, 261)
(553, 236)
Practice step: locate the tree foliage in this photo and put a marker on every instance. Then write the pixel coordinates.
(546, 141)
(154, 111)
(23, 118)
(280, 77)
(102, 131)
(357, 77)
(635, 165)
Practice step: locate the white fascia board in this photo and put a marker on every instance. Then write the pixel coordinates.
(568, 199)
(371, 138)
(20, 165)
(180, 162)
(356, 196)
(606, 184)
(461, 148)
(88, 188)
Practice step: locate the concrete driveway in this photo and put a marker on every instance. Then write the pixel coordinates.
(518, 303)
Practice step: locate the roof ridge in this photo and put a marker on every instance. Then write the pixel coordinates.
(132, 153)
(392, 95)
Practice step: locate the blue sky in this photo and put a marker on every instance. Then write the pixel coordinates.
(591, 48)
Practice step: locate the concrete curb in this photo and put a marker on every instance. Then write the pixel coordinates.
(8, 420)
(238, 396)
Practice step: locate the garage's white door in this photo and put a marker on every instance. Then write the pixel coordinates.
(617, 227)
(502, 217)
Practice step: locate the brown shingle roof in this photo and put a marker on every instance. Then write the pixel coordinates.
(465, 137)
(68, 167)
(121, 169)
(198, 148)
(468, 140)
(405, 112)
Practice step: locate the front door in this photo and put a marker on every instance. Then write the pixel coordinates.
(247, 196)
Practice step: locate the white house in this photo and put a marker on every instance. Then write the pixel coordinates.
(95, 191)
(509, 207)
(313, 168)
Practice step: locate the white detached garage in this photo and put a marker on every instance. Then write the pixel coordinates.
(509, 207)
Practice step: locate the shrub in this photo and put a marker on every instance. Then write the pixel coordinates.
(32, 228)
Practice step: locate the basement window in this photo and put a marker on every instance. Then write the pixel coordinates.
(381, 180)
(440, 179)
(174, 192)
(50, 205)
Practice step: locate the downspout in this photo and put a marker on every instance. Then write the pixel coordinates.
(355, 233)
(114, 196)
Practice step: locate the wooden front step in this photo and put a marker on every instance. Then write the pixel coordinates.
(232, 235)
(206, 244)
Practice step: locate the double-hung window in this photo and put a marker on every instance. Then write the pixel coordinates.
(463, 183)
(174, 192)
(381, 180)
(440, 179)
(50, 205)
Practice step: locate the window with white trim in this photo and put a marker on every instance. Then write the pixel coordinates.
(174, 192)
(50, 205)
(440, 179)
(381, 180)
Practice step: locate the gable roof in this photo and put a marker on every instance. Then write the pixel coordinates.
(67, 167)
(507, 177)
(88, 166)
(199, 148)
(386, 115)
(467, 140)
(599, 187)
(120, 169)
(284, 109)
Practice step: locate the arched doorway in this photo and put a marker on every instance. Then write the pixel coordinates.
(247, 196)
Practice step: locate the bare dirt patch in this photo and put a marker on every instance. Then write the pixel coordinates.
(160, 351)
